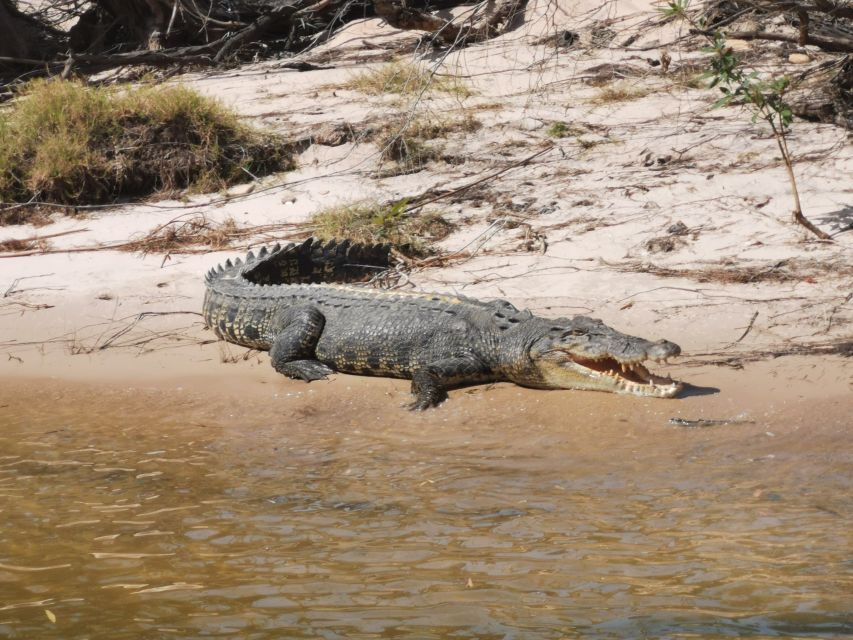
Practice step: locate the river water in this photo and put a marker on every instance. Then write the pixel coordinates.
(132, 511)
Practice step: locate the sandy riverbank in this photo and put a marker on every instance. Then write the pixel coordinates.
(657, 214)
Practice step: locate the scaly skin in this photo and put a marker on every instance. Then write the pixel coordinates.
(294, 302)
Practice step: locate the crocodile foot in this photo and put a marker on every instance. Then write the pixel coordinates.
(425, 399)
(308, 370)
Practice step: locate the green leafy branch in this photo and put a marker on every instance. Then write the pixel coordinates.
(765, 98)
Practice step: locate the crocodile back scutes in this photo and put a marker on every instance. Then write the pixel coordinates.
(309, 262)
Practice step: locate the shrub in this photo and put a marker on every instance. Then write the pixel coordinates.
(64, 142)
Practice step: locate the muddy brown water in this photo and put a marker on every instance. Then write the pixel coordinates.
(274, 510)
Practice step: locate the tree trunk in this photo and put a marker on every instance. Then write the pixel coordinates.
(24, 37)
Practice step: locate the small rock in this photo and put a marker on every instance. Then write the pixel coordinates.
(522, 205)
(242, 189)
(677, 229)
(661, 245)
(530, 124)
(567, 38)
(799, 58)
(333, 135)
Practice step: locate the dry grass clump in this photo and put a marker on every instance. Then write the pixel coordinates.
(372, 222)
(185, 231)
(409, 152)
(64, 142)
(26, 244)
(407, 142)
(688, 79)
(405, 79)
(619, 92)
(782, 271)
(565, 130)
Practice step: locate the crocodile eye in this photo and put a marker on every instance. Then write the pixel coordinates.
(578, 332)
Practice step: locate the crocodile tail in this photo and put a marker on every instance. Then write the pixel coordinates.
(312, 261)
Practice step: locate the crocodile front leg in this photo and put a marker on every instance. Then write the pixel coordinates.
(292, 352)
(430, 383)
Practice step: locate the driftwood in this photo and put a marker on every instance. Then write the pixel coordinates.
(827, 43)
(497, 16)
(825, 93)
(821, 23)
(115, 33)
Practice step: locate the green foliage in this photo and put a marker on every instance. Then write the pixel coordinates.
(764, 97)
(387, 219)
(69, 143)
(675, 9)
(558, 130)
(564, 130)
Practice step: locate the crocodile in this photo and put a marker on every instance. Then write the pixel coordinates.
(302, 302)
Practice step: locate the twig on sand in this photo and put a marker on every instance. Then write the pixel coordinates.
(841, 347)
(12, 290)
(481, 239)
(22, 244)
(111, 338)
(519, 163)
(182, 234)
(111, 341)
(746, 331)
(834, 310)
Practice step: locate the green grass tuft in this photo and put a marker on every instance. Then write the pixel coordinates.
(372, 222)
(564, 130)
(64, 142)
(410, 144)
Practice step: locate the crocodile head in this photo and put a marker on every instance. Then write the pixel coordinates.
(584, 353)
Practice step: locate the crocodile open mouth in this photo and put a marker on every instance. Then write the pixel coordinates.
(630, 377)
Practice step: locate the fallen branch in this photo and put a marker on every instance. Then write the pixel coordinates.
(401, 16)
(418, 204)
(746, 331)
(182, 234)
(842, 45)
(843, 348)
